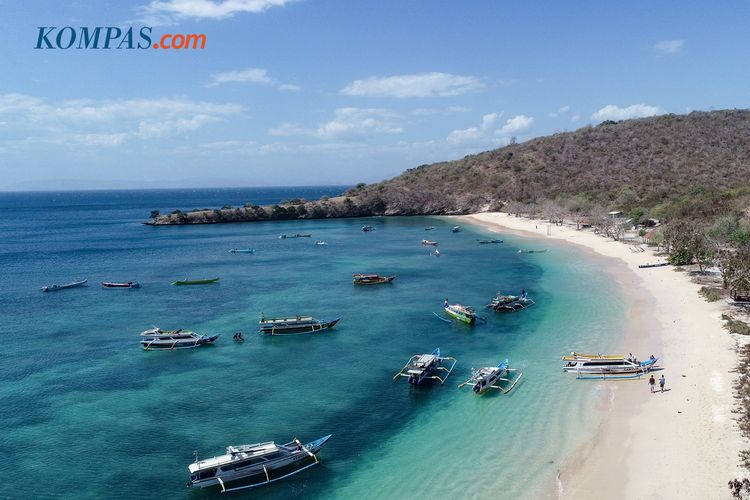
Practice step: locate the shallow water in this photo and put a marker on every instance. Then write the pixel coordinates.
(87, 413)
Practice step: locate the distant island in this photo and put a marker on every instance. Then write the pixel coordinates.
(665, 167)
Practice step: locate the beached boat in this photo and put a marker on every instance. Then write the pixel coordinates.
(532, 251)
(461, 313)
(490, 377)
(321, 243)
(510, 303)
(426, 367)
(428, 242)
(242, 250)
(294, 325)
(158, 339)
(196, 282)
(601, 367)
(112, 284)
(251, 465)
(489, 242)
(372, 279)
(367, 229)
(430, 228)
(455, 229)
(54, 288)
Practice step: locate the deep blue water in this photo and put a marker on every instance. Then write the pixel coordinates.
(86, 413)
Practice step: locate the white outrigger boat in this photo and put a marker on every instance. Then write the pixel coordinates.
(422, 367)
(490, 377)
(254, 464)
(598, 366)
(510, 303)
(158, 339)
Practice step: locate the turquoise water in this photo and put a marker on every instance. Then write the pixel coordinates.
(87, 414)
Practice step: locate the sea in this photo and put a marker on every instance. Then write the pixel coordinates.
(87, 413)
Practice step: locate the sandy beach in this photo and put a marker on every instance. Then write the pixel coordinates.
(682, 443)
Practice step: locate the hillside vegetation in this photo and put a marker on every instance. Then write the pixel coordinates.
(666, 166)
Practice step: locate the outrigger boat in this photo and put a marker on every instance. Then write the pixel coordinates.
(254, 464)
(428, 242)
(321, 243)
(129, 284)
(294, 325)
(461, 313)
(510, 303)
(532, 251)
(490, 377)
(158, 339)
(372, 279)
(489, 242)
(54, 288)
(367, 229)
(289, 236)
(242, 250)
(430, 228)
(598, 366)
(196, 282)
(423, 367)
(456, 229)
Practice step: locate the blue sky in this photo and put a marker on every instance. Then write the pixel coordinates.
(336, 92)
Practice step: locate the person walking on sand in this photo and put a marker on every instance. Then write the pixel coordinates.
(661, 382)
(651, 383)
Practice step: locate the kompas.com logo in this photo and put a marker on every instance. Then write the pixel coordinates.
(113, 37)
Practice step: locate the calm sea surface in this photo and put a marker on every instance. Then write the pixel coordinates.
(86, 413)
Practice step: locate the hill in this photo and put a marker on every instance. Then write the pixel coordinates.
(670, 165)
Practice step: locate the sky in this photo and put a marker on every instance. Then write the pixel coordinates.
(321, 92)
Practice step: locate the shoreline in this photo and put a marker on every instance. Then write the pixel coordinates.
(685, 442)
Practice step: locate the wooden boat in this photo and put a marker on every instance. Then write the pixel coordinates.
(430, 228)
(158, 339)
(660, 264)
(489, 242)
(372, 279)
(54, 288)
(367, 229)
(428, 242)
(196, 282)
(425, 367)
(490, 377)
(242, 250)
(252, 465)
(456, 229)
(461, 313)
(129, 284)
(532, 251)
(603, 367)
(510, 303)
(295, 325)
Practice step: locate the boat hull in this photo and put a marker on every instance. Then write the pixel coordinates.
(469, 320)
(298, 329)
(55, 288)
(259, 475)
(172, 344)
(195, 282)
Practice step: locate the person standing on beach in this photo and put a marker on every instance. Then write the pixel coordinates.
(661, 382)
(651, 383)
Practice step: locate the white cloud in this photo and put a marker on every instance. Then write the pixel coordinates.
(417, 85)
(249, 75)
(488, 134)
(560, 111)
(613, 112)
(355, 121)
(520, 123)
(168, 11)
(669, 47)
(439, 111)
(575, 118)
(289, 87)
(345, 124)
(105, 123)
